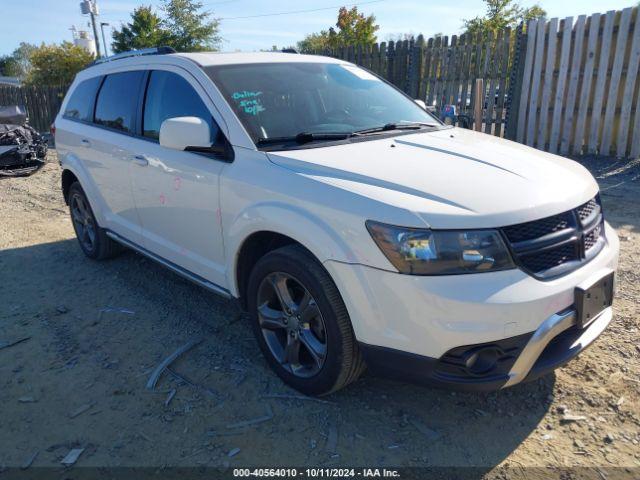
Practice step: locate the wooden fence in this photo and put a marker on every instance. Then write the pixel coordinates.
(580, 88)
(42, 103)
(442, 70)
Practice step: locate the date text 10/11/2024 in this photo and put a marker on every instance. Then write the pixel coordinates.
(316, 473)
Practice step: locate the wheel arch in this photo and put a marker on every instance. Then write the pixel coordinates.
(68, 178)
(267, 227)
(74, 171)
(254, 247)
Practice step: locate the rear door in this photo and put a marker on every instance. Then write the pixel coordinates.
(109, 146)
(177, 192)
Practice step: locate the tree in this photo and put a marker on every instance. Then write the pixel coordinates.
(57, 64)
(183, 27)
(188, 28)
(533, 13)
(500, 15)
(18, 63)
(8, 66)
(144, 31)
(353, 28)
(315, 42)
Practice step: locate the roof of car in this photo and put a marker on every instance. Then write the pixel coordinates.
(204, 59)
(207, 59)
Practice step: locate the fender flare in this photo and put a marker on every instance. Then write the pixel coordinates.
(74, 165)
(294, 222)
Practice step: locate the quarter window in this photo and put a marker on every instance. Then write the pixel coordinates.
(118, 100)
(82, 100)
(169, 95)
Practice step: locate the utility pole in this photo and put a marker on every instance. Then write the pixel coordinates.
(104, 41)
(90, 7)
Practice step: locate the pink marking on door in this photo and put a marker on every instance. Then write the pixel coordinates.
(177, 183)
(163, 199)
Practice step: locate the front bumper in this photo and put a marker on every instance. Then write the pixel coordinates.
(518, 359)
(423, 323)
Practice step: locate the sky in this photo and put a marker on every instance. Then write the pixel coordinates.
(49, 21)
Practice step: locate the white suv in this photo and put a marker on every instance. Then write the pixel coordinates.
(353, 226)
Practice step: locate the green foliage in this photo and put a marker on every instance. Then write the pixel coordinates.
(500, 15)
(56, 64)
(18, 63)
(533, 13)
(189, 29)
(352, 28)
(315, 42)
(8, 66)
(184, 27)
(144, 31)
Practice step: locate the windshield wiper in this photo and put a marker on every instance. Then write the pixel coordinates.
(308, 137)
(396, 126)
(305, 137)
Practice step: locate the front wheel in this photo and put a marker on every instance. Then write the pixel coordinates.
(301, 322)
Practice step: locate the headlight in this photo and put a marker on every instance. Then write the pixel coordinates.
(441, 252)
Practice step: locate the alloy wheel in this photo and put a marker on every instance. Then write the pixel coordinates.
(83, 222)
(292, 324)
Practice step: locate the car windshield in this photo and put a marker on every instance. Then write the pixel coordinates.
(315, 101)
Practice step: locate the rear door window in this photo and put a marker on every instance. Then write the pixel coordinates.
(118, 100)
(170, 95)
(82, 100)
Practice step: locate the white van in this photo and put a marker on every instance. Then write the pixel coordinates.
(355, 228)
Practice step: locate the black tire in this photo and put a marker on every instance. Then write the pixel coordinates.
(343, 362)
(100, 246)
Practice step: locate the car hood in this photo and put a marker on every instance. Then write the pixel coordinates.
(450, 178)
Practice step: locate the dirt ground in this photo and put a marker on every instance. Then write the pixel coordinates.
(96, 330)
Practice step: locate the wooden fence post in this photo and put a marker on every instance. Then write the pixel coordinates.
(414, 69)
(390, 62)
(478, 104)
(515, 82)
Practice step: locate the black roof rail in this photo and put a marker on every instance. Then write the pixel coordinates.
(134, 53)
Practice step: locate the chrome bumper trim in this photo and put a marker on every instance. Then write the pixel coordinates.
(553, 326)
(549, 329)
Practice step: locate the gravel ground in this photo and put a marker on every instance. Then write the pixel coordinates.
(96, 330)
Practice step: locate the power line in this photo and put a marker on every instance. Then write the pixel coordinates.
(302, 11)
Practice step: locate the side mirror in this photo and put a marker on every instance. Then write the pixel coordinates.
(421, 103)
(180, 133)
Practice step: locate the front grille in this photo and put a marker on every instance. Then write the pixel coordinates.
(585, 211)
(538, 228)
(541, 261)
(556, 245)
(591, 238)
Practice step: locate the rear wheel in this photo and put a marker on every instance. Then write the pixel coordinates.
(93, 240)
(301, 323)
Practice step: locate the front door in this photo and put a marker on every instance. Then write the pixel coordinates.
(176, 192)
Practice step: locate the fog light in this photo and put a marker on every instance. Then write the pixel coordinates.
(483, 361)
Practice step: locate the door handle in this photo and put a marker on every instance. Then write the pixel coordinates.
(85, 143)
(140, 160)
